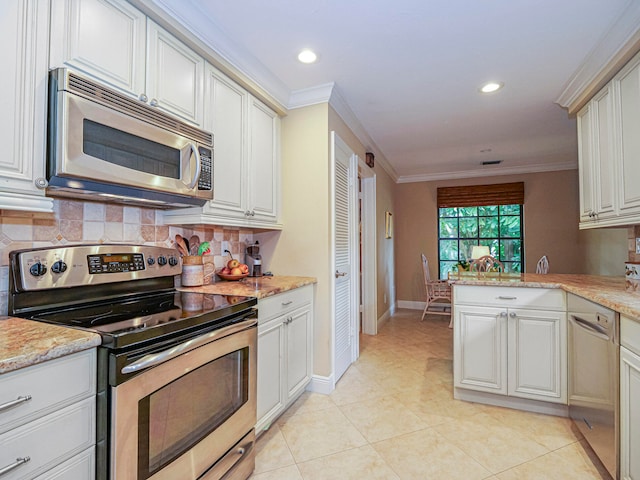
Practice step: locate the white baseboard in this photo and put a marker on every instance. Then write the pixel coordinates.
(320, 384)
(411, 305)
(385, 317)
(547, 408)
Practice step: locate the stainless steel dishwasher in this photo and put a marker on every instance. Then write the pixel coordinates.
(594, 377)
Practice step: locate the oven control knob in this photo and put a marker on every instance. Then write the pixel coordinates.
(162, 260)
(59, 267)
(151, 260)
(173, 261)
(37, 269)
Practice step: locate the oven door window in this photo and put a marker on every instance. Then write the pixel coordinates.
(130, 151)
(180, 414)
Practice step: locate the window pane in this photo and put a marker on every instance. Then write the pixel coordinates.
(510, 226)
(468, 211)
(448, 228)
(494, 247)
(465, 248)
(509, 209)
(488, 227)
(488, 210)
(448, 212)
(512, 250)
(446, 267)
(469, 227)
(449, 250)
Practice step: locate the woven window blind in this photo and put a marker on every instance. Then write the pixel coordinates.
(481, 195)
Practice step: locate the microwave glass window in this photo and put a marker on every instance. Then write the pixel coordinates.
(130, 151)
(177, 416)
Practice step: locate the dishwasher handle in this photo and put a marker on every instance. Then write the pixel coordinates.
(593, 327)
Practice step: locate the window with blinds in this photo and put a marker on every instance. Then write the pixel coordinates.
(488, 215)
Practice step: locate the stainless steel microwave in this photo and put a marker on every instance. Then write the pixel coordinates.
(106, 146)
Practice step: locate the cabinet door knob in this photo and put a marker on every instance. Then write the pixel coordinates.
(503, 314)
(143, 98)
(41, 183)
(512, 314)
(153, 102)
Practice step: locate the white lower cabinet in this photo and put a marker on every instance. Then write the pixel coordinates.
(285, 334)
(629, 395)
(508, 350)
(47, 420)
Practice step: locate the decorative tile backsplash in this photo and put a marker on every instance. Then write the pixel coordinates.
(634, 232)
(76, 222)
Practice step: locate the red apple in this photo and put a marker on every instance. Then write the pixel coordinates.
(236, 271)
(244, 268)
(225, 271)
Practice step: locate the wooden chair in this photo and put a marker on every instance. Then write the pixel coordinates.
(437, 290)
(543, 265)
(486, 263)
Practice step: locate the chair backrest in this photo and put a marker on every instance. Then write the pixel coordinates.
(486, 264)
(543, 265)
(425, 269)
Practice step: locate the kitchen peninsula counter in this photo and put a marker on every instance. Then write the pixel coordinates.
(25, 342)
(259, 287)
(607, 291)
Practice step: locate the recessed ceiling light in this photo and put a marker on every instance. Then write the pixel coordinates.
(307, 56)
(491, 87)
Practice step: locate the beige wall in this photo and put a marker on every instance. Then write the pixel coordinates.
(550, 225)
(302, 248)
(605, 250)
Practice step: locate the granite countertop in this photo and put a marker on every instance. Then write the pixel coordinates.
(259, 287)
(607, 291)
(25, 342)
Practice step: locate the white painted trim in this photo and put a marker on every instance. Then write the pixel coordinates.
(537, 406)
(310, 96)
(412, 305)
(29, 203)
(320, 384)
(369, 300)
(489, 172)
(386, 316)
(618, 42)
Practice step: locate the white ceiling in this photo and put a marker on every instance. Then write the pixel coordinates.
(410, 70)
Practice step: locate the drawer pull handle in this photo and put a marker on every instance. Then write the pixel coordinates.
(284, 304)
(13, 466)
(504, 297)
(13, 403)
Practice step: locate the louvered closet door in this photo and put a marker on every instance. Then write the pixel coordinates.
(345, 255)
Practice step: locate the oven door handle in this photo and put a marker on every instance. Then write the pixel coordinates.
(154, 359)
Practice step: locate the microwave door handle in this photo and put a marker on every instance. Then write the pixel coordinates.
(196, 176)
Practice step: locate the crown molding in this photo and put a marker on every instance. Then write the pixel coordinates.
(619, 44)
(489, 172)
(306, 97)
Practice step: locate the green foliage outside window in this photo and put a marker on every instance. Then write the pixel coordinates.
(498, 226)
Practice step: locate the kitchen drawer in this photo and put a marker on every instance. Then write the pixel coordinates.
(630, 334)
(537, 298)
(270, 307)
(49, 441)
(79, 467)
(52, 385)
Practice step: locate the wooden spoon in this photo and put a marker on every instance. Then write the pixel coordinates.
(181, 245)
(194, 244)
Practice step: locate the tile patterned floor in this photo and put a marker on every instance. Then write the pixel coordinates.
(393, 416)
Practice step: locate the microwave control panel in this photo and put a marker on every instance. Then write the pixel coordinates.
(206, 172)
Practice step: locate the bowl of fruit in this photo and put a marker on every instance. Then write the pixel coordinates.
(233, 271)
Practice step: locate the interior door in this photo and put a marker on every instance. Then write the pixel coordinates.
(345, 254)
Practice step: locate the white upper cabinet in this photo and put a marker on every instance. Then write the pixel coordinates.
(24, 32)
(627, 84)
(117, 44)
(246, 163)
(609, 149)
(596, 159)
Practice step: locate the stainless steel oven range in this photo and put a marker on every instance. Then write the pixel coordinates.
(176, 370)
